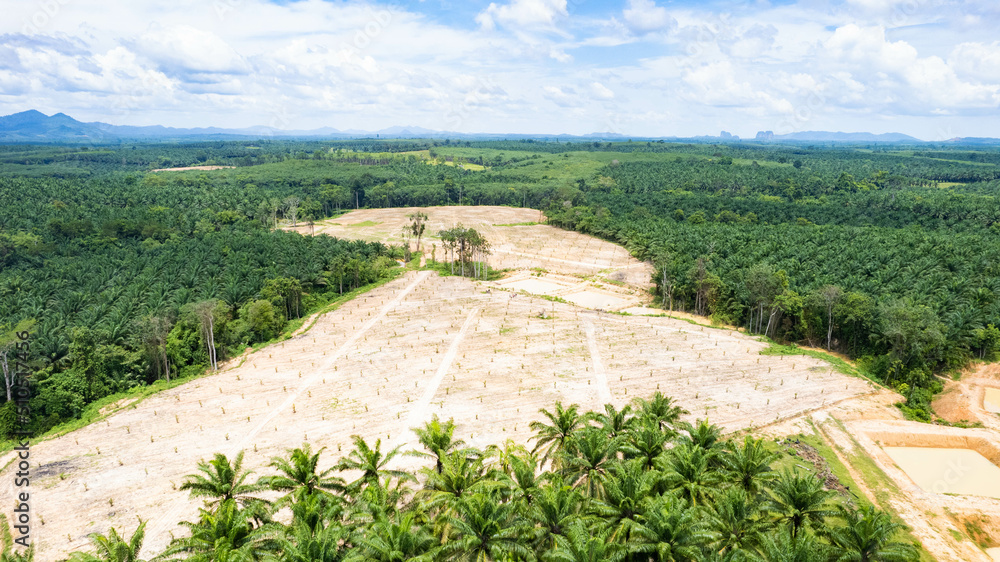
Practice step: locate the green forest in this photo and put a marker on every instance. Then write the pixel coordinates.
(618, 485)
(125, 276)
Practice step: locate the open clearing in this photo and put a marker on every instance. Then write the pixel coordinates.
(517, 243)
(187, 168)
(387, 361)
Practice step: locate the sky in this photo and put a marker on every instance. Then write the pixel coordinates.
(928, 68)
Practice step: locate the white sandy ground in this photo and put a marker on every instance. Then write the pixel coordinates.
(994, 553)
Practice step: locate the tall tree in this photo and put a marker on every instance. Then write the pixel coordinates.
(550, 438)
(221, 480)
(870, 535)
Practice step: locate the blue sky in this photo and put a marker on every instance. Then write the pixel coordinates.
(929, 68)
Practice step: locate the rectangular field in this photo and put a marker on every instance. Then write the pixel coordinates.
(948, 471)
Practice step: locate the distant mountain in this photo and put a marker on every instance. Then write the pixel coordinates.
(973, 140)
(33, 126)
(826, 136)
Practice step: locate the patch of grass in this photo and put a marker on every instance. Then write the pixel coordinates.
(547, 297)
(518, 224)
(362, 224)
(977, 533)
(838, 469)
(444, 270)
(840, 365)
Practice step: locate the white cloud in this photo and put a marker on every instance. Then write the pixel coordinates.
(717, 84)
(184, 48)
(898, 74)
(644, 16)
(522, 13)
(753, 42)
(561, 96)
(977, 61)
(600, 91)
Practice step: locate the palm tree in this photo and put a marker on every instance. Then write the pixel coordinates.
(221, 481)
(485, 530)
(299, 476)
(614, 422)
(113, 547)
(227, 534)
(586, 458)
(689, 475)
(505, 454)
(7, 551)
(580, 545)
(671, 532)
(382, 499)
(800, 500)
(551, 438)
(749, 466)
(326, 542)
(556, 507)
(402, 540)
(703, 434)
(739, 521)
(660, 409)
(371, 462)
(626, 487)
(645, 441)
(522, 478)
(438, 439)
(780, 547)
(314, 511)
(868, 537)
(460, 478)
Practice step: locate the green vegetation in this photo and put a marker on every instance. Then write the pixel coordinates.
(887, 256)
(630, 484)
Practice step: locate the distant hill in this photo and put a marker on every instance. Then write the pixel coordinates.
(826, 136)
(974, 140)
(35, 127)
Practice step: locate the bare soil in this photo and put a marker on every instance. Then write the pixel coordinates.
(185, 168)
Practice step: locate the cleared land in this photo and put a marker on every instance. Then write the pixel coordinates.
(186, 168)
(385, 362)
(517, 242)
